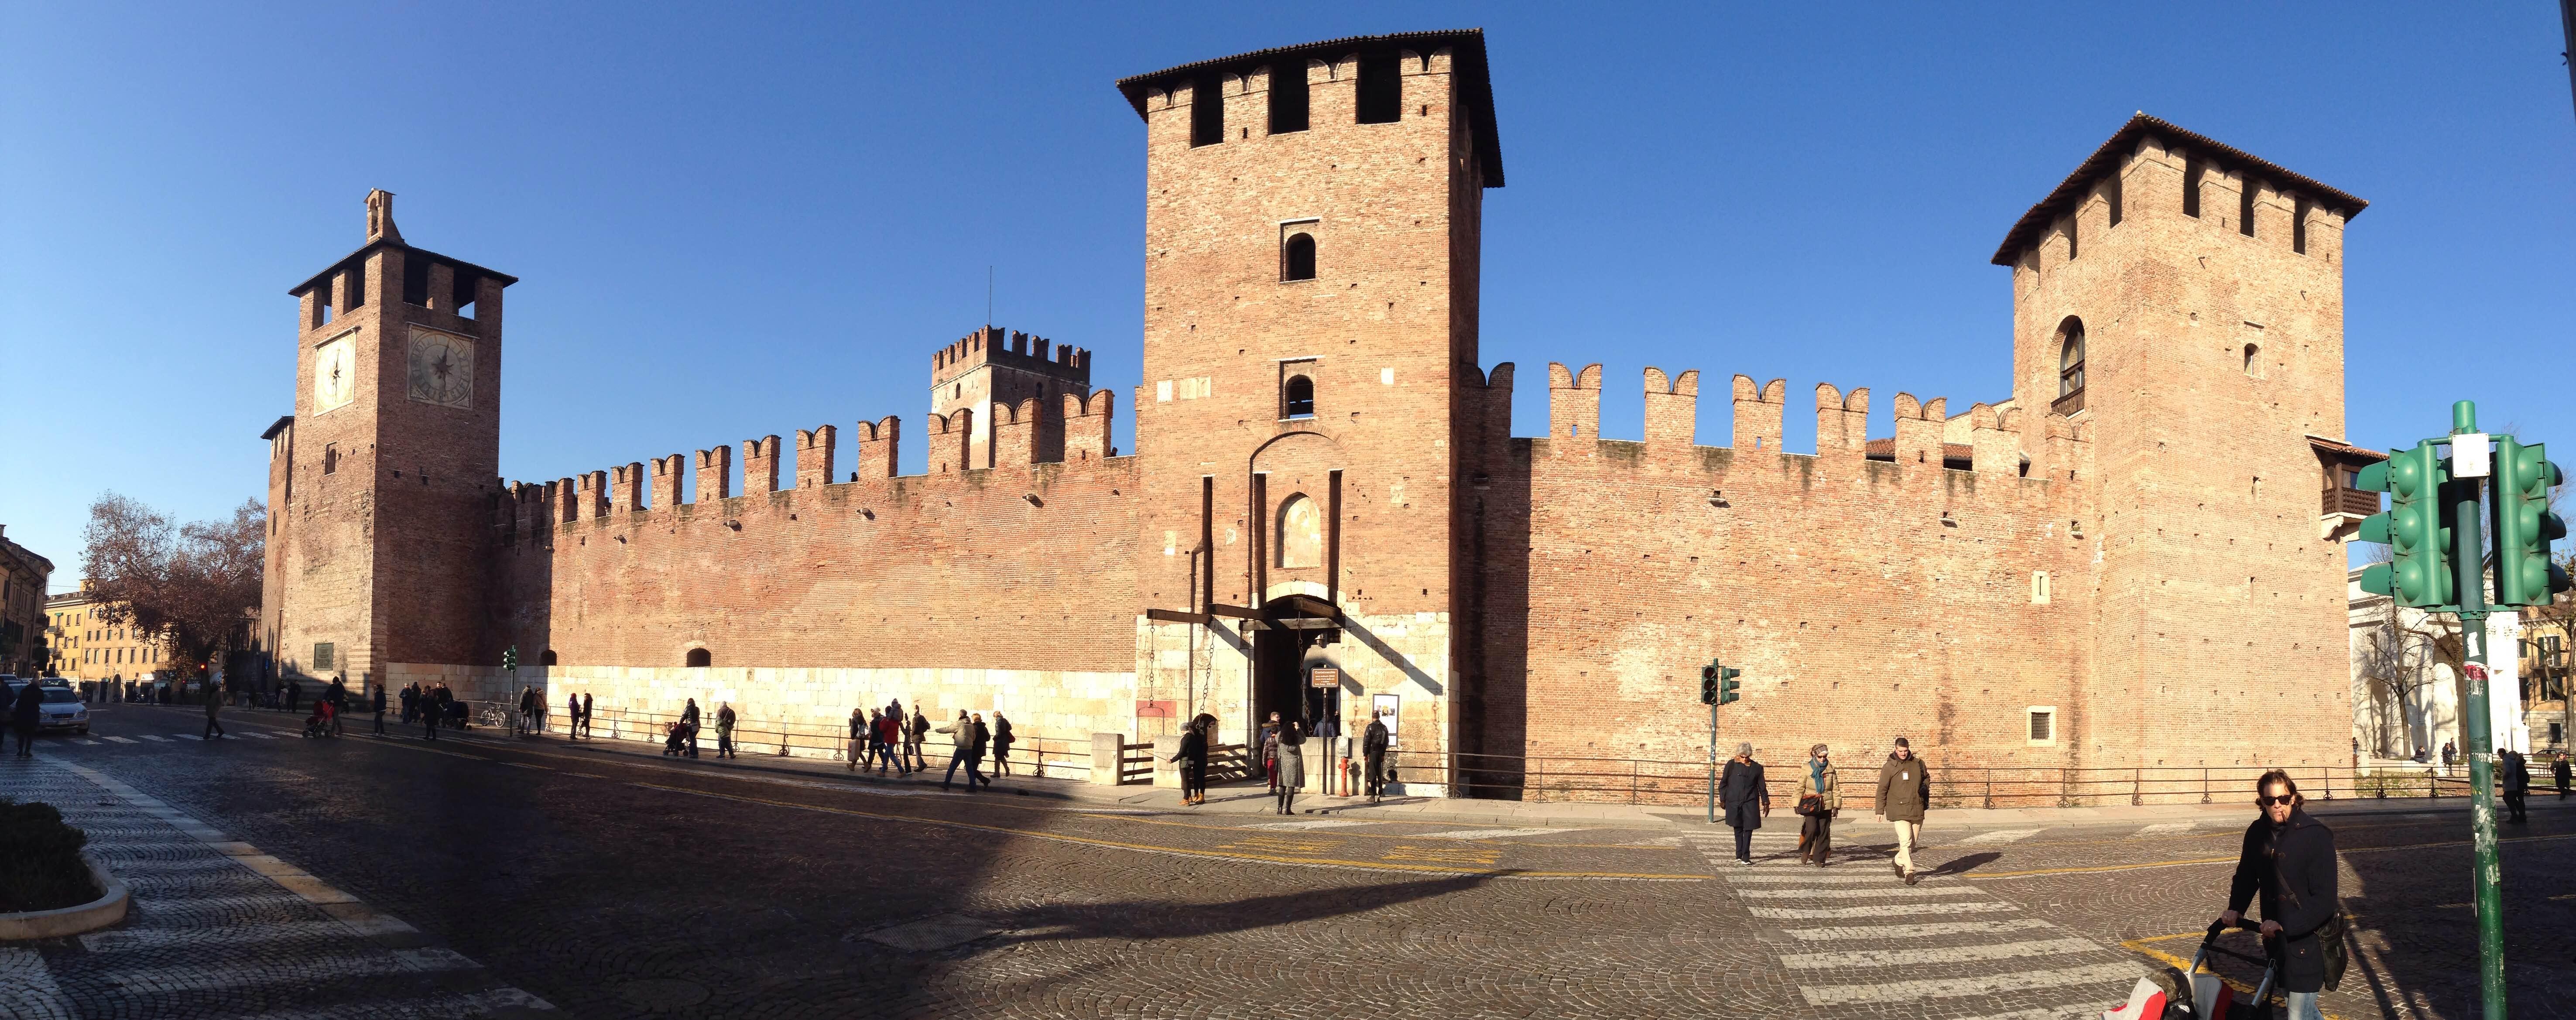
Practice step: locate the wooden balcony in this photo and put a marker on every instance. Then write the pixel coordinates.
(2357, 502)
(2068, 404)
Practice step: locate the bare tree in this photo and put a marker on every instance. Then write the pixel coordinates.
(2403, 648)
(190, 587)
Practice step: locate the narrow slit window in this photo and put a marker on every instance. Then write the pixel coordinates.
(2112, 192)
(1381, 90)
(2071, 239)
(1297, 258)
(2191, 174)
(2254, 360)
(2299, 227)
(2245, 208)
(1288, 98)
(1207, 112)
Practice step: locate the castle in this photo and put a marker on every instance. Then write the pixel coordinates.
(2123, 563)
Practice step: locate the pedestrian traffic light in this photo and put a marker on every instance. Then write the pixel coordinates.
(1728, 686)
(2523, 525)
(2414, 527)
(510, 658)
(1708, 683)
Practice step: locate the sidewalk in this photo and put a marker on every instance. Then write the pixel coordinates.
(1253, 799)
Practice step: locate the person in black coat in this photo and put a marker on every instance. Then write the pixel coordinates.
(1192, 757)
(2559, 771)
(1373, 744)
(1745, 798)
(2288, 861)
(25, 715)
(2517, 786)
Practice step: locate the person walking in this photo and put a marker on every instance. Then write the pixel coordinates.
(1904, 790)
(2517, 786)
(2559, 771)
(294, 693)
(1373, 743)
(983, 746)
(913, 734)
(528, 702)
(1745, 796)
(1270, 752)
(689, 726)
(2287, 860)
(961, 739)
(1291, 772)
(431, 712)
(1820, 794)
(860, 743)
(25, 715)
(377, 702)
(410, 702)
(890, 731)
(214, 726)
(724, 731)
(2449, 751)
(338, 696)
(1192, 758)
(1002, 740)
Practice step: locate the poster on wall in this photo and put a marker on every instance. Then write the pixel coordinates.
(1387, 707)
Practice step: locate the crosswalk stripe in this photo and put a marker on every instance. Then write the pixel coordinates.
(1879, 910)
(2000, 836)
(1483, 833)
(1892, 889)
(1935, 988)
(2162, 828)
(1944, 954)
(122, 740)
(256, 735)
(150, 737)
(86, 742)
(1316, 823)
(1916, 931)
(1769, 877)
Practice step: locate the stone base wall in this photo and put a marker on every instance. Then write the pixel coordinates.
(1052, 711)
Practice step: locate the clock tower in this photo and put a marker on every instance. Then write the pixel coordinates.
(382, 483)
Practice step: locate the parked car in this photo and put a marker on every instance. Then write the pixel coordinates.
(62, 710)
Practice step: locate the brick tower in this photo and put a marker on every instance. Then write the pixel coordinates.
(995, 366)
(381, 485)
(1311, 241)
(2182, 301)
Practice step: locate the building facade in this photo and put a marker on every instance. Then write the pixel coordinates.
(87, 648)
(23, 649)
(2104, 567)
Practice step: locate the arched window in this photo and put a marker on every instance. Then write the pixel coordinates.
(1297, 398)
(699, 657)
(2070, 357)
(2253, 360)
(1301, 533)
(547, 659)
(1297, 258)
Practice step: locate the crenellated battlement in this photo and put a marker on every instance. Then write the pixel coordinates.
(993, 345)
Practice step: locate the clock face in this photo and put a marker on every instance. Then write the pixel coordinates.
(442, 369)
(335, 374)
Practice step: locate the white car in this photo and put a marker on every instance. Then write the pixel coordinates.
(62, 710)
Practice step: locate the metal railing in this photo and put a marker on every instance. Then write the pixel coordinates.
(1655, 782)
(778, 738)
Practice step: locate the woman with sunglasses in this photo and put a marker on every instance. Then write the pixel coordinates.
(2288, 860)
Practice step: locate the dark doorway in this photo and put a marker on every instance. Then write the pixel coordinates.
(1277, 680)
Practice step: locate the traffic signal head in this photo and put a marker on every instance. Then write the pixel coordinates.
(2415, 527)
(1729, 689)
(1708, 684)
(510, 658)
(2524, 527)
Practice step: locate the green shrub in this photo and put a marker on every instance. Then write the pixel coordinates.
(40, 861)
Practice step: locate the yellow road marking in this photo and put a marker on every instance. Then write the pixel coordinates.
(1183, 851)
(2230, 859)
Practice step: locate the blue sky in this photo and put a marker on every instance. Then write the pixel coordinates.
(738, 221)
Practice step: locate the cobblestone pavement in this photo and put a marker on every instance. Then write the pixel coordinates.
(612, 885)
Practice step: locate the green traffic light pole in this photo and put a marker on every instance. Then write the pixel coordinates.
(2467, 549)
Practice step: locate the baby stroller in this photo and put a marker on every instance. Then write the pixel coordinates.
(319, 723)
(2202, 995)
(677, 741)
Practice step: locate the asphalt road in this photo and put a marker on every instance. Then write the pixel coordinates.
(609, 884)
